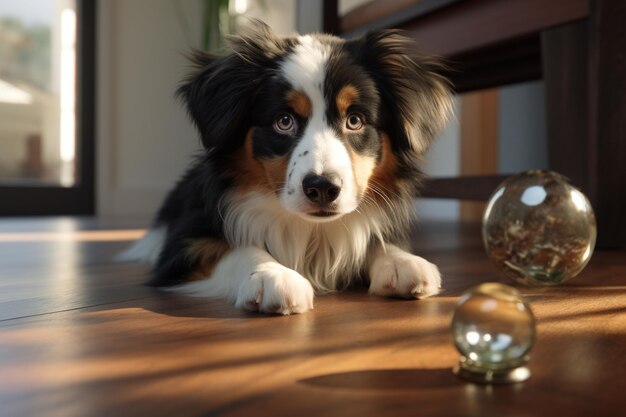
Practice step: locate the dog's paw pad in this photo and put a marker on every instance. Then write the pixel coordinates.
(401, 274)
(275, 289)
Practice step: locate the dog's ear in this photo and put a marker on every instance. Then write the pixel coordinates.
(216, 95)
(416, 98)
(221, 90)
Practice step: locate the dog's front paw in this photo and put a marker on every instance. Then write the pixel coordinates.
(273, 288)
(401, 274)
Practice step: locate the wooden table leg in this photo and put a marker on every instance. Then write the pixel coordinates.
(584, 67)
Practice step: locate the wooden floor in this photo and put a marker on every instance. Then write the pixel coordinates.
(80, 336)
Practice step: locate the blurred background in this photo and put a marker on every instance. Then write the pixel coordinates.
(37, 69)
(89, 123)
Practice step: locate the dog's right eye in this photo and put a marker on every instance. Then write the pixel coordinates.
(285, 124)
(354, 121)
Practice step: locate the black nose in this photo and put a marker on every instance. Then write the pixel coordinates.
(321, 189)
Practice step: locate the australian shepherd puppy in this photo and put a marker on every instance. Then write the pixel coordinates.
(309, 169)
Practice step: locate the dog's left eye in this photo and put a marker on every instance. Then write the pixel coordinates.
(354, 121)
(285, 124)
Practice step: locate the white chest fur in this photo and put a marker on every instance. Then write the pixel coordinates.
(329, 254)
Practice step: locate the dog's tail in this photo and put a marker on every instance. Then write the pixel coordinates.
(146, 249)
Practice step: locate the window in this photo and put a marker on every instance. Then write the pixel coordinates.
(46, 106)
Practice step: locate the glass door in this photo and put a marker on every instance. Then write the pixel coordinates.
(46, 107)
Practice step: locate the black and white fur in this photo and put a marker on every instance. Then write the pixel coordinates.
(310, 165)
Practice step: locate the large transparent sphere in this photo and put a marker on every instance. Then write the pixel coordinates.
(494, 330)
(539, 229)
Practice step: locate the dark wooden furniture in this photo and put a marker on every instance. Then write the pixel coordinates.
(80, 336)
(577, 46)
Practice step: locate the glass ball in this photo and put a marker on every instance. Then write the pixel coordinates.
(539, 229)
(493, 329)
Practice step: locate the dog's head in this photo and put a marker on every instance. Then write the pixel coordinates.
(324, 124)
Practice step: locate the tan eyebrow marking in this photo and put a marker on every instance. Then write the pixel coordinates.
(300, 103)
(345, 98)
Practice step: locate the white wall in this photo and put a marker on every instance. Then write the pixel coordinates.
(308, 16)
(279, 14)
(522, 128)
(144, 136)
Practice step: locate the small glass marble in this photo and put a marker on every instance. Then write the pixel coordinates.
(539, 229)
(494, 330)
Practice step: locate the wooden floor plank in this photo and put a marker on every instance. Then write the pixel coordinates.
(150, 353)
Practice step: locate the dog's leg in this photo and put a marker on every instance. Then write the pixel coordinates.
(254, 281)
(394, 272)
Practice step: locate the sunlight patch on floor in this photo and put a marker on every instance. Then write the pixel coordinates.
(74, 236)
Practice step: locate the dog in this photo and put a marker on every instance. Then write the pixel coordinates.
(310, 163)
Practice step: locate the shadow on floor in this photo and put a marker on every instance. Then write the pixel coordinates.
(387, 379)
